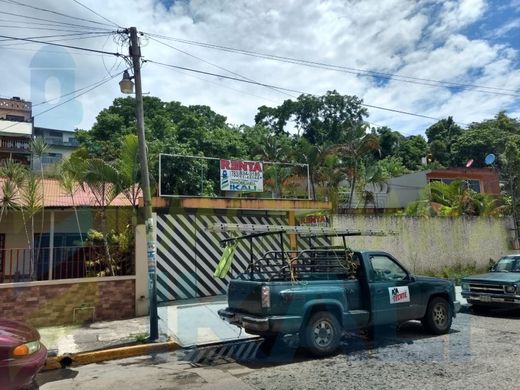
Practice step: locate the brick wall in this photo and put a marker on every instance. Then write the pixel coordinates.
(63, 302)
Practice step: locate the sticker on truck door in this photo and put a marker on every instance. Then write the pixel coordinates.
(399, 294)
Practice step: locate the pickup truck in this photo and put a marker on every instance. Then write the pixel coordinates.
(317, 294)
(499, 288)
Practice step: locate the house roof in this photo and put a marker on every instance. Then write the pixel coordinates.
(56, 196)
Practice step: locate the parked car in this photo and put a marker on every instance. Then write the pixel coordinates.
(317, 294)
(499, 288)
(22, 355)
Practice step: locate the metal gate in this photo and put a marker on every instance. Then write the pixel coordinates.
(187, 253)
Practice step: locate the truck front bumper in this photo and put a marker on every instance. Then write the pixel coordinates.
(502, 300)
(261, 324)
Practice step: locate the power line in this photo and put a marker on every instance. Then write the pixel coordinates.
(288, 89)
(215, 65)
(53, 12)
(50, 36)
(344, 69)
(52, 21)
(95, 13)
(85, 90)
(64, 38)
(61, 45)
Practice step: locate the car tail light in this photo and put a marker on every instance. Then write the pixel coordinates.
(266, 297)
(26, 349)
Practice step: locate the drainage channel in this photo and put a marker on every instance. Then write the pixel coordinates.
(222, 353)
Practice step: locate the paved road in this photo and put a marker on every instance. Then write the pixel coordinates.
(481, 352)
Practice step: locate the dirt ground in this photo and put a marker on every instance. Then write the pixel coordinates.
(482, 351)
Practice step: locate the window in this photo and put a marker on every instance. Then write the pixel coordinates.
(385, 269)
(15, 118)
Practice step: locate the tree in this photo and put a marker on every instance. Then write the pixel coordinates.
(389, 141)
(39, 149)
(358, 145)
(482, 138)
(441, 136)
(455, 199)
(322, 120)
(412, 150)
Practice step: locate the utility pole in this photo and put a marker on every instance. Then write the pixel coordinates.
(135, 53)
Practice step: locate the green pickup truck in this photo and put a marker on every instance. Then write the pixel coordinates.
(499, 288)
(317, 294)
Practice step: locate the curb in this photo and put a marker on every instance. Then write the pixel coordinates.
(81, 358)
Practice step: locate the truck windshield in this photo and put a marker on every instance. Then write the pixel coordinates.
(507, 264)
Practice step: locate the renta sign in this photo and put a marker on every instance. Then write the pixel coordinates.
(243, 176)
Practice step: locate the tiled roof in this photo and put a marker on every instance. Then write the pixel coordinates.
(56, 196)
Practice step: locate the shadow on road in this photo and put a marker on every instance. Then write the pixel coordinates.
(258, 353)
(55, 375)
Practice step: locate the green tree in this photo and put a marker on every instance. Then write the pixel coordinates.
(322, 120)
(389, 141)
(412, 150)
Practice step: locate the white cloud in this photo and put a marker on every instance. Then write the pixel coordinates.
(413, 38)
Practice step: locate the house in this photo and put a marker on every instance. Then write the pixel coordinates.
(400, 191)
(481, 180)
(60, 232)
(15, 130)
(60, 145)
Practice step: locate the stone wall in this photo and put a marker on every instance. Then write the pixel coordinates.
(68, 301)
(429, 244)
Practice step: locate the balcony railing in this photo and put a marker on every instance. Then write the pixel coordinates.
(25, 265)
(15, 145)
(58, 141)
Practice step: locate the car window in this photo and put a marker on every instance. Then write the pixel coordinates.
(507, 264)
(385, 269)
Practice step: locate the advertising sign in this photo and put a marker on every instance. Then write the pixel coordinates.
(241, 176)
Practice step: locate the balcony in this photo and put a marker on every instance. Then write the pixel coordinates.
(58, 141)
(19, 145)
(15, 127)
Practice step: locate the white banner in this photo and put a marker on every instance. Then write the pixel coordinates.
(242, 176)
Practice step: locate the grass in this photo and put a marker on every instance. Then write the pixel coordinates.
(458, 271)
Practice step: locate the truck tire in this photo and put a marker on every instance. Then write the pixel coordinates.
(438, 316)
(322, 334)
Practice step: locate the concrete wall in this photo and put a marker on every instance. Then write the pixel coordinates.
(430, 244)
(68, 301)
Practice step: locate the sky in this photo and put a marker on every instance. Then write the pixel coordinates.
(473, 44)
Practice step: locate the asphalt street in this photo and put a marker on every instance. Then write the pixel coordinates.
(480, 352)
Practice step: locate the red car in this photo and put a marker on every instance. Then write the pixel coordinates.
(21, 355)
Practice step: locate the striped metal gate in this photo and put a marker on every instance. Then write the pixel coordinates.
(187, 253)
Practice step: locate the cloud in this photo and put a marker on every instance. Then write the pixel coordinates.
(414, 38)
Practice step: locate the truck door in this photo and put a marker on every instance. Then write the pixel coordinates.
(391, 290)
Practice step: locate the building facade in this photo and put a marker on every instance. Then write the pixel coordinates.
(60, 144)
(15, 130)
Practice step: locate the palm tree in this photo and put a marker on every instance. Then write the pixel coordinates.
(330, 175)
(103, 180)
(13, 178)
(357, 145)
(69, 172)
(39, 149)
(129, 172)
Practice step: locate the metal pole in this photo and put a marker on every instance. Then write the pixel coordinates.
(135, 53)
(51, 245)
(514, 204)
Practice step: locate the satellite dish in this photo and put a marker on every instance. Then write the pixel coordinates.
(490, 159)
(469, 163)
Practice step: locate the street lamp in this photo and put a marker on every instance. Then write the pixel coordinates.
(127, 86)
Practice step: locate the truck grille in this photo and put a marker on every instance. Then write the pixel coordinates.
(486, 288)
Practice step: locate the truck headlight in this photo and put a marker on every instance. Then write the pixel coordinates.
(465, 286)
(266, 297)
(510, 289)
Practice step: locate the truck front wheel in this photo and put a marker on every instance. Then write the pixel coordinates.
(322, 334)
(438, 316)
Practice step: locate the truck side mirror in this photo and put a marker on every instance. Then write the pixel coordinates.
(411, 278)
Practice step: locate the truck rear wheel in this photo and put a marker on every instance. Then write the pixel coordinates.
(322, 334)
(438, 316)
